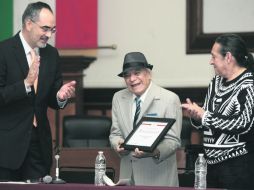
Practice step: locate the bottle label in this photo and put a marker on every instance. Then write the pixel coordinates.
(98, 166)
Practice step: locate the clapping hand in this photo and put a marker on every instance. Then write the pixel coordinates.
(193, 110)
(66, 91)
(34, 69)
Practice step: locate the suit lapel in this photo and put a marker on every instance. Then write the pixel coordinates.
(43, 66)
(150, 98)
(126, 110)
(20, 55)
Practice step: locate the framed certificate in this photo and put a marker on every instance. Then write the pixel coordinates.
(148, 133)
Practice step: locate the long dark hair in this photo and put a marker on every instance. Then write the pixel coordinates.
(236, 46)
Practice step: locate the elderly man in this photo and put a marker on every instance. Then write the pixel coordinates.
(158, 168)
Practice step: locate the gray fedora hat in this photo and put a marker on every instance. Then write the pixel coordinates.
(134, 60)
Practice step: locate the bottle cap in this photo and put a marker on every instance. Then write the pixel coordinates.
(201, 154)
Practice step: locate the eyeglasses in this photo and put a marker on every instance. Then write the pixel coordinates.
(46, 28)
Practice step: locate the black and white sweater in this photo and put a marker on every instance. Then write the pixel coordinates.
(228, 120)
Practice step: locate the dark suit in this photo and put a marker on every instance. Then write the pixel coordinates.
(17, 108)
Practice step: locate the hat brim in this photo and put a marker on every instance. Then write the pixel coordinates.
(138, 67)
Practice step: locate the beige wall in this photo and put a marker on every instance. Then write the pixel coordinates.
(156, 28)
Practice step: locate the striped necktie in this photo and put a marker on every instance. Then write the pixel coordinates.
(138, 101)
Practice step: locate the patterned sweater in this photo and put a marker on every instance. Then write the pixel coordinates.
(228, 120)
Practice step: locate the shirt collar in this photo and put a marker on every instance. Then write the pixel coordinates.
(26, 46)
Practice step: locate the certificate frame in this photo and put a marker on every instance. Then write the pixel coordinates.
(148, 133)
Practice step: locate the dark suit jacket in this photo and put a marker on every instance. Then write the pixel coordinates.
(17, 108)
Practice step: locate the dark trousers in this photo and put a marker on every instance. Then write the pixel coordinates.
(33, 166)
(235, 173)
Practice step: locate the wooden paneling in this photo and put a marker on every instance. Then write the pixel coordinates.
(84, 158)
(72, 69)
(99, 100)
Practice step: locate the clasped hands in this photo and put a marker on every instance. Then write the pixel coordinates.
(193, 110)
(136, 153)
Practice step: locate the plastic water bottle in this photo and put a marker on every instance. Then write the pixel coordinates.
(100, 169)
(200, 172)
